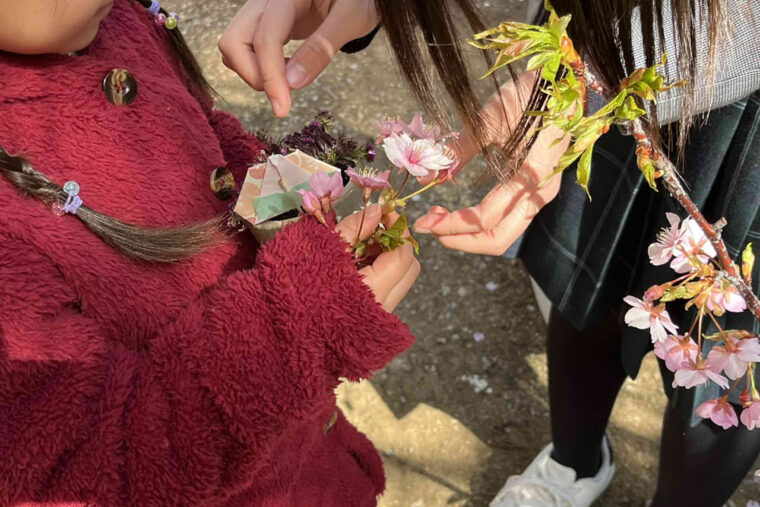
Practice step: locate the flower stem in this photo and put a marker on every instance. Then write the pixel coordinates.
(361, 223)
(418, 192)
(403, 184)
(720, 329)
(699, 345)
(725, 396)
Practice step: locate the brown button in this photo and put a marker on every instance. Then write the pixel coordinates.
(222, 183)
(120, 87)
(331, 422)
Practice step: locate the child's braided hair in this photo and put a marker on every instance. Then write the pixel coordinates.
(144, 243)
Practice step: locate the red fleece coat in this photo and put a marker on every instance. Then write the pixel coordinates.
(206, 382)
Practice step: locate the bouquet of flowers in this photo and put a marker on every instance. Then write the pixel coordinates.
(313, 172)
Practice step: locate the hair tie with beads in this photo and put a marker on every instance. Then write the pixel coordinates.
(73, 201)
(170, 22)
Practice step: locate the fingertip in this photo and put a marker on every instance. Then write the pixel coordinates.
(281, 105)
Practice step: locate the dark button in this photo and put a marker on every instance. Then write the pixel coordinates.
(222, 183)
(120, 87)
(331, 422)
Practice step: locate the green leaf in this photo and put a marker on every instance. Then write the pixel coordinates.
(564, 162)
(540, 60)
(629, 110)
(584, 170)
(551, 68)
(646, 165)
(611, 105)
(393, 237)
(675, 293)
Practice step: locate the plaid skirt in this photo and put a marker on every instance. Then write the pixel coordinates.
(586, 256)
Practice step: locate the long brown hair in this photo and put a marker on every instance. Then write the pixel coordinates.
(423, 31)
(143, 243)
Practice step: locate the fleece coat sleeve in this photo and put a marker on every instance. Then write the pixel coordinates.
(196, 414)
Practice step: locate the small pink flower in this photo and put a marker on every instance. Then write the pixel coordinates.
(676, 350)
(693, 243)
(691, 374)
(421, 157)
(654, 293)
(388, 127)
(751, 415)
(644, 315)
(725, 298)
(734, 362)
(311, 201)
(662, 251)
(720, 412)
(419, 130)
(324, 190)
(327, 186)
(370, 181)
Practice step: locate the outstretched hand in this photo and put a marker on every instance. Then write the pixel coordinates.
(505, 213)
(252, 45)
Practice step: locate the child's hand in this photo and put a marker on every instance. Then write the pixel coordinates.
(392, 274)
(498, 221)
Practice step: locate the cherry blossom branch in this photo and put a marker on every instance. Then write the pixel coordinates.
(672, 183)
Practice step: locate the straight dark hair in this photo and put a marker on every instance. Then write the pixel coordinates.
(143, 243)
(423, 31)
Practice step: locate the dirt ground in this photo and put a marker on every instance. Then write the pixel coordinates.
(467, 406)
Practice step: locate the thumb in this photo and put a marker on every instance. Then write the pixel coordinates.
(349, 225)
(316, 53)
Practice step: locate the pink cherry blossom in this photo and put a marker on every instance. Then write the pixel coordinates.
(311, 202)
(421, 157)
(676, 350)
(734, 361)
(644, 315)
(388, 127)
(324, 189)
(419, 130)
(370, 181)
(668, 239)
(725, 298)
(720, 412)
(327, 186)
(693, 243)
(751, 415)
(691, 374)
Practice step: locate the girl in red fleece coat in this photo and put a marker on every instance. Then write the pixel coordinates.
(127, 380)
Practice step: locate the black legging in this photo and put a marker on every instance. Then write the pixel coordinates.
(699, 466)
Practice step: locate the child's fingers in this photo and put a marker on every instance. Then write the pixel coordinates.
(399, 292)
(236, 44)
(388, 270)
(272, 34)
(349, 225)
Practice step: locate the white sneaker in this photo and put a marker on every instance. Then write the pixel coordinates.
(546, 483)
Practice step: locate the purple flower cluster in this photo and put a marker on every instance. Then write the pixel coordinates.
(317, 140)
